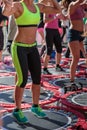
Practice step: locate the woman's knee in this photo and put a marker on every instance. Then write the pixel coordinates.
(21, 84)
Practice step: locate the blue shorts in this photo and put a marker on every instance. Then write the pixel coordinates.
(74, 35)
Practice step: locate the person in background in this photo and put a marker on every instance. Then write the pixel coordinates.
(41, 32)
(2, 22)
(24, 50)
(52, 37)
(75, 14)
(40, 29)
(12, 31)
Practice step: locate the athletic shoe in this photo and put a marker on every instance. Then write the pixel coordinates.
(38, 112)
(58, 68)
(46, 72)
(19, 116)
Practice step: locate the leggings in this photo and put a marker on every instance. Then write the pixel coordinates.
(1, 39)
(53, 37)
(26, 57)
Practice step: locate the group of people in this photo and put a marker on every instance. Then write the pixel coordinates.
(24, 49)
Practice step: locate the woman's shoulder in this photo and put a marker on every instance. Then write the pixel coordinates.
(72, 7)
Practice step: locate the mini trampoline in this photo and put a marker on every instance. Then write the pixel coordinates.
(6, 99)
(65, 81)
(76, 100)
(55, 120)
(6, 96)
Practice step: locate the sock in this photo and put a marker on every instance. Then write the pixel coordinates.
(35, 105)
(16, 109)
(45, 69)
(71, 81)
(57, 65)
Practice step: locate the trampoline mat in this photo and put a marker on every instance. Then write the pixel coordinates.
(10, 80)
(7, 80)
(66, 81)
(80, 99)
(6, 96)
(53, 121)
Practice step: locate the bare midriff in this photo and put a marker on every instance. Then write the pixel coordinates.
(26, 35)
(77, 25)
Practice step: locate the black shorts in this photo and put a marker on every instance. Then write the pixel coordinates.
(74, 35)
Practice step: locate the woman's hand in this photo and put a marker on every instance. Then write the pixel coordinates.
(61, 16)
(8, 3)
(8, 7)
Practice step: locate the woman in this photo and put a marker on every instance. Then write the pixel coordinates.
(75, 39)
(52, 37)
(24, 51)
(2, 22)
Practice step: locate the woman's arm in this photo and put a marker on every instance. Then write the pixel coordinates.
(84, 4)
(10, 8)
(56, 5)
(74, 6)
(7, 8)
(49, 9)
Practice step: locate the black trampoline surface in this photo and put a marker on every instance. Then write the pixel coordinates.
(7, 80)
(53, 121)
(66, 81)
(80, 99)
(6, 96)
(10, 80)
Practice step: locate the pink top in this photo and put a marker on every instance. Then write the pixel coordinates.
(52, 24)
(78, 14)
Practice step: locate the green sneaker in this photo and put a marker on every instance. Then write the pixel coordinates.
(38, 112)
(19, 116)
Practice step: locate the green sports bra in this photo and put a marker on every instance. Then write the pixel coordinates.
(28, 18)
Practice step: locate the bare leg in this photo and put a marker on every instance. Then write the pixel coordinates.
(0, 55)
(58, 58)
(46, 61)
(35, 100)
(35, 93)
(75, 51)
(17, 113)
(18, 96)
